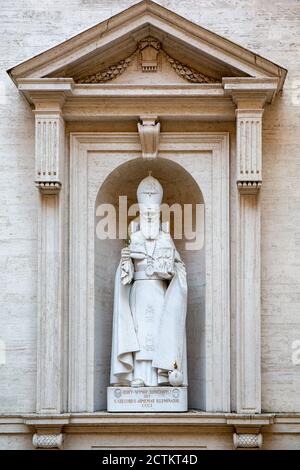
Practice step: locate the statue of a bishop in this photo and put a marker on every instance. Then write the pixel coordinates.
(150, 301)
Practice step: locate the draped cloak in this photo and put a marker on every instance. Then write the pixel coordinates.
(171, 336)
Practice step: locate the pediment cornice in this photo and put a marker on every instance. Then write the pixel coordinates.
(98, 49)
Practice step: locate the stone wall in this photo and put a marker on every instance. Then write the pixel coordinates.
(271, 30)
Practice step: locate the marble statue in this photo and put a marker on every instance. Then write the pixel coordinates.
(150, 299)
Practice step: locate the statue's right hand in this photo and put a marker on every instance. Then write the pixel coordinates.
(125, 253)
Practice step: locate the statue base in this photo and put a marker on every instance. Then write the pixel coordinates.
(147, 399)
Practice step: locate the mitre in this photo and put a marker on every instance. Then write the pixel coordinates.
(149, 191)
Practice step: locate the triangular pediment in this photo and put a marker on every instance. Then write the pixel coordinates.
(119, 49)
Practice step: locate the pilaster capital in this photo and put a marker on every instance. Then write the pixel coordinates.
(46, 94)
(249, 102)
(250, 96)
(49, 146)
(48, 103)
(250, 92)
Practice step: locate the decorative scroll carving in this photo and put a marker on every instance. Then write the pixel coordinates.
(149, 134)
(188, 73)
(149, 49)
(47, 441)
(110, 73)
(247, 441)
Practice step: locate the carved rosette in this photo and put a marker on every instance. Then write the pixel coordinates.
(47, 441)
(247, 441)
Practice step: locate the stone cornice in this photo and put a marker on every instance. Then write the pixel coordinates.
(192, 417)
(201, 101)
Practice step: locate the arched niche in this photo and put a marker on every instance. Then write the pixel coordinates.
(180, 188)
(103, 166)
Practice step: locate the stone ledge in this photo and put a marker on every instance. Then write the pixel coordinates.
(184, 423)
(192, 417)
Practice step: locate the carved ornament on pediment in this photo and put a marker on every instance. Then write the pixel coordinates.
(149, 49)
(110, 73)
(188, 73)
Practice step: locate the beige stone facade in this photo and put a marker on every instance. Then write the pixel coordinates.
(229, 123)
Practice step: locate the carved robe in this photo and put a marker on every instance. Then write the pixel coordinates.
(149, 332)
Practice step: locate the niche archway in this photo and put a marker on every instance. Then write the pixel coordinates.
(179, 187)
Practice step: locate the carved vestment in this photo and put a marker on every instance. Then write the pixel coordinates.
(149, 313)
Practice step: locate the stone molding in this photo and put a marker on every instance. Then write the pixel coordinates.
(189, 423)
(239, 423)
(206, 101)
(101, 423)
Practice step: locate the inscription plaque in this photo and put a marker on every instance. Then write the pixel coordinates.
(147, 399)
